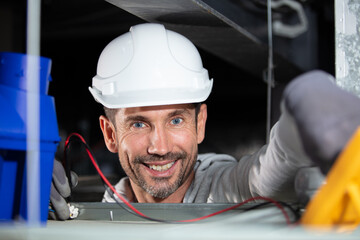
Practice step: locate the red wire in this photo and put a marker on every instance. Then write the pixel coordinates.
(102, 175)
(278, 205)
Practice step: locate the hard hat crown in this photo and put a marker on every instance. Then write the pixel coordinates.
(150, 66)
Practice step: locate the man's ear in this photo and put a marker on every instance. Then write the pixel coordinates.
(201, 122)
(109, 133)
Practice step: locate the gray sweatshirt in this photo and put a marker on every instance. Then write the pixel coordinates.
(269, 172)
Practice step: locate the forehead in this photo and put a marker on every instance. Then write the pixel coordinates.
(157, 110)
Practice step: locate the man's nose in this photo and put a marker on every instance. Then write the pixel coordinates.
(160, 142)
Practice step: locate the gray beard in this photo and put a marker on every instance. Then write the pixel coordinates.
(162, 189)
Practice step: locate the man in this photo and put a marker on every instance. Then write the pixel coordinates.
(152, 85)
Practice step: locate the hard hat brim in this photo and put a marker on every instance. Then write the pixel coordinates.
(153, 97)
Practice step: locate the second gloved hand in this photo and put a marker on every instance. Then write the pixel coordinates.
(326, 115)
(60, 191)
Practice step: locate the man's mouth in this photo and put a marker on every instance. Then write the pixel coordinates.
(161, 168)
(164, 166)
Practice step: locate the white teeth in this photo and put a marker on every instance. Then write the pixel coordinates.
(161, 168)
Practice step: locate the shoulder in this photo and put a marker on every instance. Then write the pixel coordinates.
(122, 187)
(206, 160)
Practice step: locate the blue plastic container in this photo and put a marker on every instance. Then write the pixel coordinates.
(13, 136)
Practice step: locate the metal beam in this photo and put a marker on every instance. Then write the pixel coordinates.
(217, 29)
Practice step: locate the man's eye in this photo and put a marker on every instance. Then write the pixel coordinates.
(138, 125)
(176, 121)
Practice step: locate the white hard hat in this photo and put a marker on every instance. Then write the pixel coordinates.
(150, 66)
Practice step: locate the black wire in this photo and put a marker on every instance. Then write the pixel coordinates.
(295, 212)
(67, 166)
(257, 206)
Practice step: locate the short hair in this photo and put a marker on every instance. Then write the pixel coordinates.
(110, 114)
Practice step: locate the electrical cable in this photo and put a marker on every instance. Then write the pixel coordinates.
(90, 154)
(109, 188)
(295, 212)
(131, 209)
(270, 71)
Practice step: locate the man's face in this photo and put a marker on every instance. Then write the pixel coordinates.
(157, 146)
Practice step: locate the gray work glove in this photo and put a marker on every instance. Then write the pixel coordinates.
(326, 116)
(60, 190)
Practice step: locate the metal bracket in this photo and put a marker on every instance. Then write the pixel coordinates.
(290, 31)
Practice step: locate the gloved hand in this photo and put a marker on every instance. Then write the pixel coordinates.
(60, 190)
(325, 115)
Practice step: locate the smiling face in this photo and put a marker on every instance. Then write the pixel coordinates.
(157, 147)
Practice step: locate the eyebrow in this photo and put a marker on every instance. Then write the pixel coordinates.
(136, 118)
(179, 112)
(141, 118)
